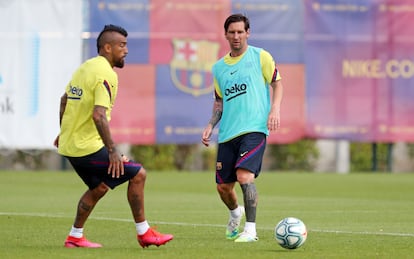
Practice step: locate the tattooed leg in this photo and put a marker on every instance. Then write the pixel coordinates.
(86, 204)
(136, 195)
(250, 201)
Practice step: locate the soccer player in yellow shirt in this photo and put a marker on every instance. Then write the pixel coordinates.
(85, 139)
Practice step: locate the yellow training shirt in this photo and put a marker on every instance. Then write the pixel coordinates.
(93, 83)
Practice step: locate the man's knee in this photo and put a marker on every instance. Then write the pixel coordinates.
(99, 191)
(244, 176)
(225, 188)
(140, 176)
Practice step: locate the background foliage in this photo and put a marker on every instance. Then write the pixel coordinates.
(362, 157)
(298, 156)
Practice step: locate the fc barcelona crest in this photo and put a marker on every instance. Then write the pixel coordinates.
(191, 65)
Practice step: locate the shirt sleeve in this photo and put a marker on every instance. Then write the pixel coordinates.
(217, 91)
(270, 71)
(103, 93)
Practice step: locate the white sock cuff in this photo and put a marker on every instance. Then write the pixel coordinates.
(236, 212)
(142, 227)
(250, 227)
(76, 232)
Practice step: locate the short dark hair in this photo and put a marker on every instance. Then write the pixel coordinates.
(238, 17)
(109, 27)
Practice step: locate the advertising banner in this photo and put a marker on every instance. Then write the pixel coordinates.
(35, 67)
(359, 70)
(347, 66)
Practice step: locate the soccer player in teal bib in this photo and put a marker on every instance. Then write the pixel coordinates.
(246, 113)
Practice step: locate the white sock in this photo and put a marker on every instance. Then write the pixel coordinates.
(250, 227)
(76, 232)
(142, 227)
(236, 212)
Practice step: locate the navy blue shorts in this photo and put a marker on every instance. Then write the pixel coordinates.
(245, 151)
(93, 169)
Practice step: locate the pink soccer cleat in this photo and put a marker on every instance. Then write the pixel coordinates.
(152, 237)
(80, 242)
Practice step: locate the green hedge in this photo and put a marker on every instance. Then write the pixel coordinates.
(362, 157)
(298, 156)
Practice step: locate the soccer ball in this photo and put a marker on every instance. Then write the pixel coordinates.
(290, 233)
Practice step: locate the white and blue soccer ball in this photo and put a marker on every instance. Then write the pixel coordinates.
(291, 233)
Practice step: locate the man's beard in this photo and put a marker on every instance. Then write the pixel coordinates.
(119, 63)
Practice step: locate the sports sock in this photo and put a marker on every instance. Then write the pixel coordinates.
(76, 232)
(236, 212)
(250, 227)
(142, 227)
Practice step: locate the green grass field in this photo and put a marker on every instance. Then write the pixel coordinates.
(348, 216)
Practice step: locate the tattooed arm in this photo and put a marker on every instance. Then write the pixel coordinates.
(116, 167)
(215, 118)
(63, 101)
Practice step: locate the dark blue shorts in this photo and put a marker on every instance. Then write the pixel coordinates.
(245, 151)
(93, 169)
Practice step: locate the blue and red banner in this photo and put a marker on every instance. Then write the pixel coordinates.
(347, 66)
(359, 70)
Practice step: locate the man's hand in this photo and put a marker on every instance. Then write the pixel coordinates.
(205, 139)
(116, 164)
(273, 121)
(56, 142)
